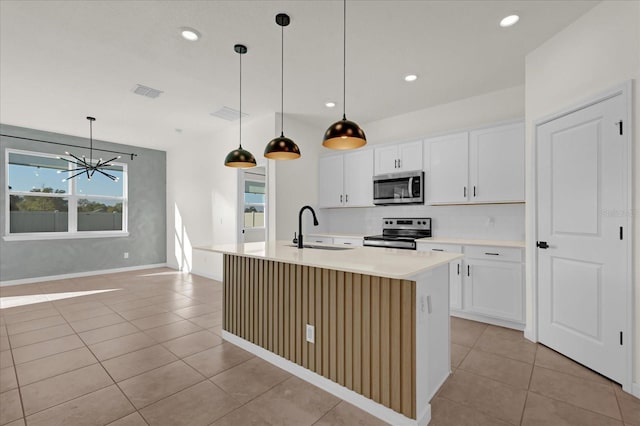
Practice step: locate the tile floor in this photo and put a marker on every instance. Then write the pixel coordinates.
(145, 348)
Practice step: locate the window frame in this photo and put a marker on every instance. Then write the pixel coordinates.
(72, 196)
(263, 205)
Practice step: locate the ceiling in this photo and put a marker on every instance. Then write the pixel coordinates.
(63, 60)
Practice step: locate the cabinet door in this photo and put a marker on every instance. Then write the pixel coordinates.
(410, 156)
(358, 179)
(386, 159)
(455, 284)
(494, 289)
(355, 242)
(330, 182)
(497, 163)
(447, 174)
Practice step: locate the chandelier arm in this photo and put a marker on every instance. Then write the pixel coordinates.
(104, 163)
(110, 176)
(77, 174)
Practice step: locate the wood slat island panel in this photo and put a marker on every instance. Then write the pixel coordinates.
(365, 326)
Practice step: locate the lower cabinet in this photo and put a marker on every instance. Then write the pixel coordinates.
(487, 284)
(347, 241)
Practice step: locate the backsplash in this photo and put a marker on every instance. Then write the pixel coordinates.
(487, 221)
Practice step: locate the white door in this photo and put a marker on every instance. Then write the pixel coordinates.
(253, 204)
(330, 181)
(358, 179)
(496, 164)
(581, 177)
(447, 164)
(386, 160)
(410, 156)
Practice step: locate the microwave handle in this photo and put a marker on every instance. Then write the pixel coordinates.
(410, 192)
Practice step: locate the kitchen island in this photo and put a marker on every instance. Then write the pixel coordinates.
(370, 325)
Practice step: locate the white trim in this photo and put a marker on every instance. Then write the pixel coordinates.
(216, 277)
(635, 390)
(37, 236)
(531, 331)
(378, 410)
(80, 274)
(489, 320)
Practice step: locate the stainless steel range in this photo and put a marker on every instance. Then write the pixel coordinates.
(400, 233)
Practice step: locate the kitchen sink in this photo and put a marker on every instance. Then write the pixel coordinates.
(312, 246)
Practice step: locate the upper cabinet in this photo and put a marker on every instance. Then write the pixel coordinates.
(481, 166)
(345, 180)
(398, 158)
(496, 163)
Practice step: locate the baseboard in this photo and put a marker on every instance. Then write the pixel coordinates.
(494, 321)
(378, 410)
(79, 274)
(635, 390)
(530, 335)
(216, 277)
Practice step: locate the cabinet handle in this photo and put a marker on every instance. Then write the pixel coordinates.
(399, 163)
(346, 198)
(474, 190)
(395, 164)
(340, 198)
(465, 192)
(458, 269)
(348, 244)
(468, 270)
(493, 254)
(437, 249)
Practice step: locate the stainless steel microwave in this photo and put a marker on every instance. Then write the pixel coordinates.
(399, 188)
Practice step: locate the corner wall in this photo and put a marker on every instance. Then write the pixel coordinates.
(597, 52)
(147, 217)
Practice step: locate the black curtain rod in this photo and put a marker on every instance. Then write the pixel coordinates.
(68, 144)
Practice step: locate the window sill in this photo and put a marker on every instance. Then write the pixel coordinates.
(64, 235)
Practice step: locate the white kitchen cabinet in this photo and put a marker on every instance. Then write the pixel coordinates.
(331, 181)
(496, 164)
(487, 285)
(345, 180)
(481, 166)
(348, 241)
(447, 164)
(455, 271)
(396, 158)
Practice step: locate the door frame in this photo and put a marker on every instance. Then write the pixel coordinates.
(531, 332)
(240, 201)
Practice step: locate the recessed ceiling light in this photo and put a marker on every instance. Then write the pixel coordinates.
(410, 77)
(189, 34)
(509, 20)
(330, 104)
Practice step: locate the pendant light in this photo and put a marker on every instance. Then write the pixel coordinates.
(85, 165)
(344, 134)
(240, 157)
(282, 148)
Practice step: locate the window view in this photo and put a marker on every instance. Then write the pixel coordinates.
(40, 201)
(254, 201)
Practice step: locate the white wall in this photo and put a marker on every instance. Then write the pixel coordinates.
(297, 180)
(598, 51)
(501, 222)
(202, 194)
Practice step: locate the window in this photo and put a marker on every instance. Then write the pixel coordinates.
(41, 204)
(254, 201)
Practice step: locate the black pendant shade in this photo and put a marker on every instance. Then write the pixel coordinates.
(344, 134)
(240, 157)
(282, 148)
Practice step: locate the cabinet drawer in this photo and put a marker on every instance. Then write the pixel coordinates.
(321, 240)
(448, 248)
(356, 242)
(494, 253)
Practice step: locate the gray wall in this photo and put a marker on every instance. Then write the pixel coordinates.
(146, 243)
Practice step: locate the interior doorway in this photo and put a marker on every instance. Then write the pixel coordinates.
(583, 235)
(252, 205)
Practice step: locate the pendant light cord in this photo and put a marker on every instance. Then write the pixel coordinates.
(240, 54)
(344, 60)
(90, 141)
(282, 81)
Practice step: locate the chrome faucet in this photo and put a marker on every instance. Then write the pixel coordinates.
(315, 223)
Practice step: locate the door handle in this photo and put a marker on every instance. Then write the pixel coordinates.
(542, 245)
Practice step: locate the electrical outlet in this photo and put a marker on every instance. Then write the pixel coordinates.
(126, 254)
(311, 334)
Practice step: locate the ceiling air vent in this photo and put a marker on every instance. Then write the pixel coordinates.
(228, 114)
(146, 91)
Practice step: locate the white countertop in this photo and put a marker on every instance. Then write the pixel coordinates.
(383, 262)
(468, 242)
